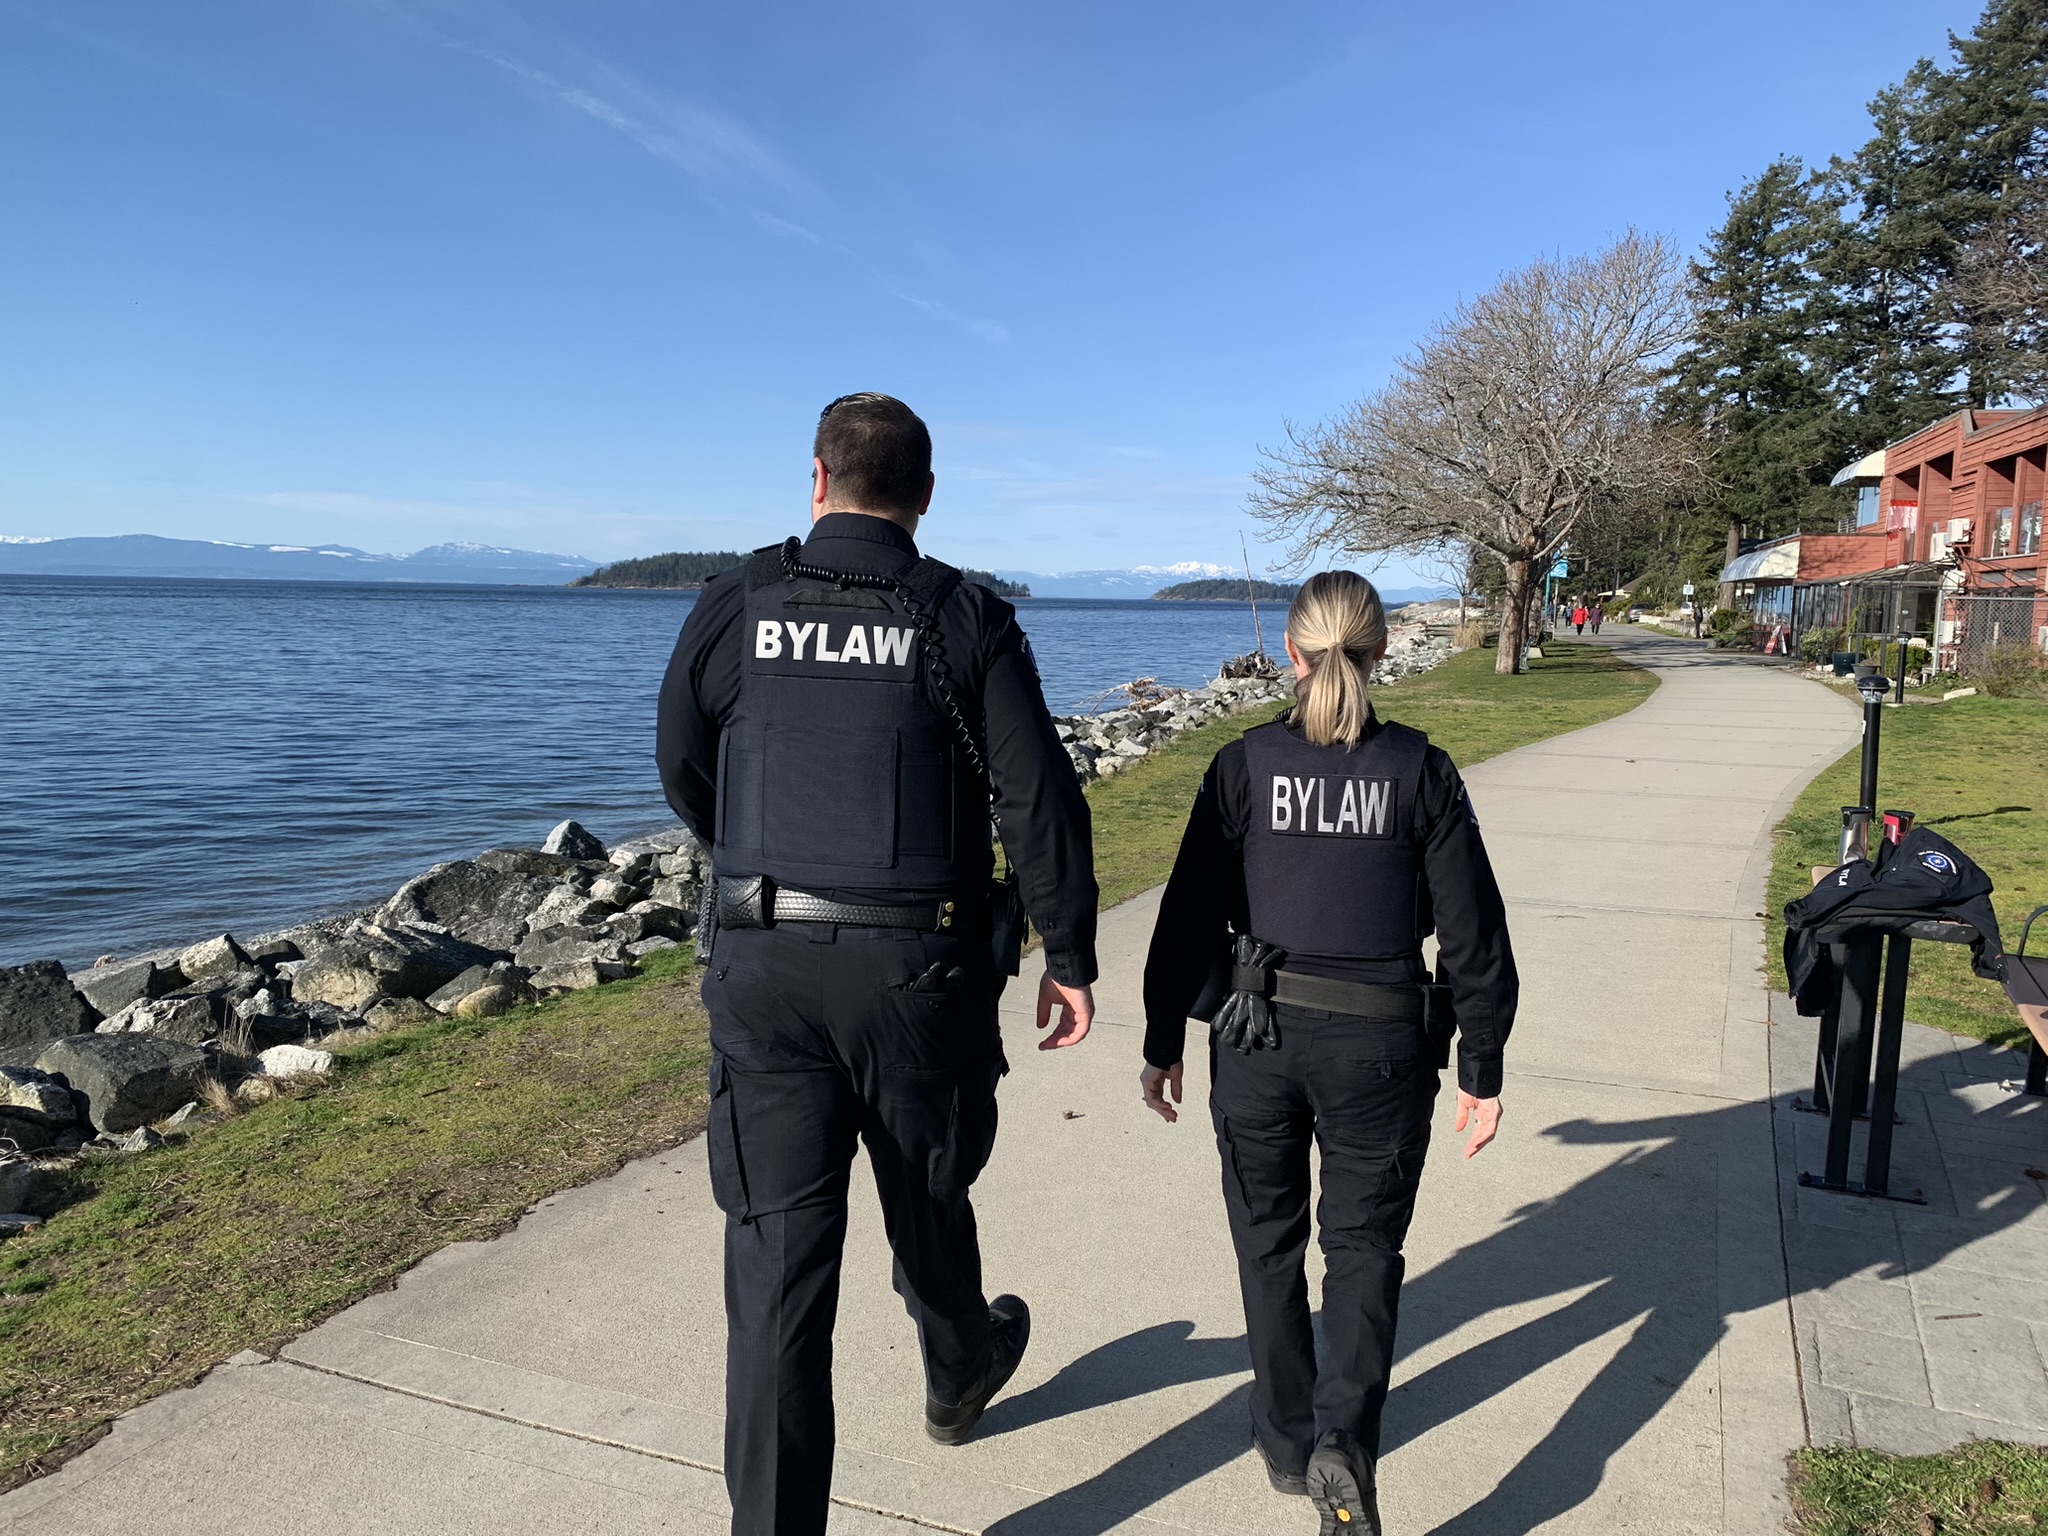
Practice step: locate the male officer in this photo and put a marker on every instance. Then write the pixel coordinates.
(834, 723)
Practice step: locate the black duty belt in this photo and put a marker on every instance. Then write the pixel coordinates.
(1409, 1005)
(755, 901)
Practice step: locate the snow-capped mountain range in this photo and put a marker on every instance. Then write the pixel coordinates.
(1135, 581)
(144, 554)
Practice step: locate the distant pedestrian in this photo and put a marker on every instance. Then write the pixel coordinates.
(1696, 615)
(1579, 619)
(1596, 614)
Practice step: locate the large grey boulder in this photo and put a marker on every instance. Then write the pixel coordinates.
(110, 988)
(504, 975)
(20, 1182)
(675, 891)
(684, 864)
(220, 956)
(529, 861)
(281, 1022)
(273, 949)
(397, 1013)
(295, 1061)
(567, 906)
(579, 975)
(571, 841)
(567, 945)
(190, 1017)
(122, 1081)
(634, 866)
(369, 960)
(611, 888)
(650, 920)
(38, 1003)
(26, 1133)
(476, 904)
(27, 1093)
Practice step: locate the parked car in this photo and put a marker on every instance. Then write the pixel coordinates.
(1635, 615)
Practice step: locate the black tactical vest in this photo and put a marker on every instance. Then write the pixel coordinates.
(837, 769)
(1332, 849)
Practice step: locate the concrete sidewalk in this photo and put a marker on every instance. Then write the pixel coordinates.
(1596, 1334)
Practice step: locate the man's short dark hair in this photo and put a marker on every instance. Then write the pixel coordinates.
(877, 452)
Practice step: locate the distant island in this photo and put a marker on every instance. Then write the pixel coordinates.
(1226, 588)
(668, 573)
(688, 572)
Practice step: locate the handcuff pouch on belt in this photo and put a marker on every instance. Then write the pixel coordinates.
(707, 919)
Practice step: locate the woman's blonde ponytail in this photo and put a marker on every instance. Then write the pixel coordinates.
(1340, 628)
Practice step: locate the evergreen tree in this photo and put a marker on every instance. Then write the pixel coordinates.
(1937, 184)
(1983, 132)
(1749, 383)
(1878, 331)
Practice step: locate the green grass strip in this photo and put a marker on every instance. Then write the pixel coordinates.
(252, 1230)
(1984, 1488)
(1976, 771)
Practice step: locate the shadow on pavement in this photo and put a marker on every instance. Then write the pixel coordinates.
(1631, 1250)
(1164, 1355)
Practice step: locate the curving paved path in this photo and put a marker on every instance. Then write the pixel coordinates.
(1596, 1332)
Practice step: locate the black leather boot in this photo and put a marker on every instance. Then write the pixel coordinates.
(1341, 1485)
(1009, 1332)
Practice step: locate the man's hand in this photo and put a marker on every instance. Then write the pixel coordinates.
(1485, 1117)
(1156, 1083)
(1077, 1012)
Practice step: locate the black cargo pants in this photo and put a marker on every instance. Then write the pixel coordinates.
(1361, 1090)
(817, 1041)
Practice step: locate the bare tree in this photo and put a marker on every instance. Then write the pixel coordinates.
(2000, 290)
(1451, 564)
(1528, 407)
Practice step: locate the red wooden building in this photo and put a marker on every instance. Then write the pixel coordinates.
(1963, 497)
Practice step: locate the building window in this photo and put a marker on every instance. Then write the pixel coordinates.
(2030, 529)
(1866, 505)
(2001, 532)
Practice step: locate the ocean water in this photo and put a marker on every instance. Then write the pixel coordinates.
(183, 757)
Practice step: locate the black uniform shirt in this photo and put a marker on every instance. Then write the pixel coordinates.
(1207, 894)
(1044, 817)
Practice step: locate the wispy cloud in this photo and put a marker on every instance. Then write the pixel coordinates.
(987, 330)
(712, 147)
(709, 145)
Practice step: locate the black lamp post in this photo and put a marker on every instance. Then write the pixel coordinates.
(1873, 685)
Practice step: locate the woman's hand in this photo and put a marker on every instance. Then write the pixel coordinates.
(1156, 1082)
(1485, 1117)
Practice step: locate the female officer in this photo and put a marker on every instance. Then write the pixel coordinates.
(1330, 843)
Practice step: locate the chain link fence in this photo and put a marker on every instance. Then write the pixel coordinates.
(1983, 622)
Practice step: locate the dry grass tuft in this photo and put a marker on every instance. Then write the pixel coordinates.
(219, 1099)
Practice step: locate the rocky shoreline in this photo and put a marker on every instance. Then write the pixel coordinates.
(118, 1057)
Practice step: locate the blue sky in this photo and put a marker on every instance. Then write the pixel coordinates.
(577, 276)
